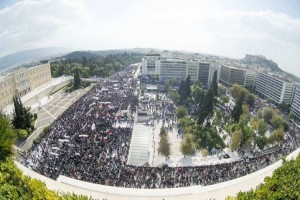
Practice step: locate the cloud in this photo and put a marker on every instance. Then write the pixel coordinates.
(204, 26)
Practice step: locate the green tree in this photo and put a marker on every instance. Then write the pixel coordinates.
(174, 96)
(259, 113)
(250, 100)
(162, 131)
(291, 115)
(181, 91)
(268, 114)
(23, 134)
(181, 112)
(238, 109)
(218, 117)
(262, 128)
(22, 116)
(214, 84)
(261, 142)
(206, 109)
(237, 90)
(210, 102)
(204, 152)
(197, 93)
(187, 87)
(277, 136)
(76, 84)
(7, 137)
(164, 146)
(14, 185)
(285, 125)
(187, 146)
(236, 140)
(276, 121)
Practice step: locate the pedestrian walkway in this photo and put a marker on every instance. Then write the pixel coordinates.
(139, 147)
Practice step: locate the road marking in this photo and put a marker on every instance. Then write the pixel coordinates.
(49, 113)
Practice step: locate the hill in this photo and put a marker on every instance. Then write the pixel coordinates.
(261, 61)
(28, 56)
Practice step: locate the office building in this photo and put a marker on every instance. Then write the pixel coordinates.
(163, 68)
(295, 107)
(274, 88)
(231, 75)
(22, 81)
(172, 68)
(151, 64)
(250, 79)
(203, 74)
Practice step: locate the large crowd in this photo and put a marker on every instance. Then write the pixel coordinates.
(90, 141)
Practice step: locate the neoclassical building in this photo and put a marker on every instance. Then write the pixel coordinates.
(22, 81)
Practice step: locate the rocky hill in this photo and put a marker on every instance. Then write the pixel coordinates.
(260, 61)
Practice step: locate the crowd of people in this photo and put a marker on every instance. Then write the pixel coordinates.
(91, 141)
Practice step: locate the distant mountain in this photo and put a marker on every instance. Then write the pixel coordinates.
(28, 56)
(90, 54)
(260, 60)
(80, 54)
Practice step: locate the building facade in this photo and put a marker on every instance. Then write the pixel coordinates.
(22, 81)
(231, 75)
(277, 90)
(203, 74)
(172, 68)
(250, 79)
(295, 107)
(165, 68)
(151, 64)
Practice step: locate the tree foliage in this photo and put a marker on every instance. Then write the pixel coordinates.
(237, 90)
(181, 112)
(7, 137)
(197, 93)
(238, 109)
(277, 136)
(77, 80)
(250, 100)
(214, 84)
(14, 185)
(101, 65)
(174, 96)
(21, 117)
(268, 114)
(187, 146)
(236, 140)
(164, 146)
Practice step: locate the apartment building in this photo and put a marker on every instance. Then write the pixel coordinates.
(295, 107)
(22, 81)
(274, 88)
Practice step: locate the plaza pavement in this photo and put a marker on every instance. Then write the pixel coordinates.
(49, 109)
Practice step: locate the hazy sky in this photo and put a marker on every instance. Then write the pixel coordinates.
(225, 27)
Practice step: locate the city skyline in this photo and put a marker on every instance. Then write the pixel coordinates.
(232, 29)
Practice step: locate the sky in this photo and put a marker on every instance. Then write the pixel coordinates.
(229, 28)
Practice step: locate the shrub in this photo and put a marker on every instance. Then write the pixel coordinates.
(23, 134)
